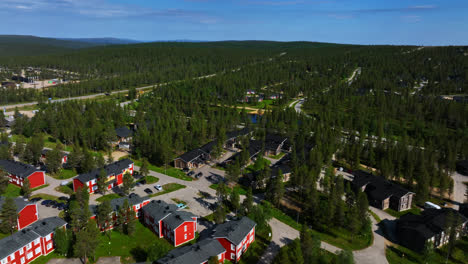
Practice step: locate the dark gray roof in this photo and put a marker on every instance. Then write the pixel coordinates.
(237, 133)
(196, 253)
(116, 204)
(123, 132)
(430, 222)
(159, 209)
(27, 235)
(111, 169)
(377, 187)
(17, 168)
(234, 231)
(192, 155)
(273, 141)
(177, 218)
(46, 226)
(19, 202)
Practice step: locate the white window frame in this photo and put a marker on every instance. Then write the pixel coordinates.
(49, 246)
(21, 251)
(185, 228)
(29, 255)
(22, 260)
(28, 246)
(232, 247)
(12, 256)
(4, 261)
(37, 251)
(48, 237)
(37, 241)
(233, 256)
(185, 236)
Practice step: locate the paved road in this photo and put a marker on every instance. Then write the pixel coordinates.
(282, 235)
(459, 188)
(53, 183)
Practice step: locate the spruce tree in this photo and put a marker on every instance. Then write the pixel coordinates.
(8, 216)
(26, 188)
(104, 215)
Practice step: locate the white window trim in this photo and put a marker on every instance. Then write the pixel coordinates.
(12, 256)
(37, 241)
(21, 251)
(48, 237)
(232, 247)
(49, 246)
(38, 250)
(29, 255)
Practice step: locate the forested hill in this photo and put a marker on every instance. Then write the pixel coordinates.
(17, 45)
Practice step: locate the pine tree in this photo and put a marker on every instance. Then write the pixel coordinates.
(213, 260)
(8, 216)
(221, 192)
(62, 241)
(87, 241)
(247, 204)
(219, 214)
(26, 188)
(104, 215)
(54, 160)
(144, 169)
(4, 181)
(102, 182)
(234, 200)
(127, 185)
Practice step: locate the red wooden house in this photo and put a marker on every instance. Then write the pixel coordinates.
(198, 253)
(235, 237)
(114, 172)
(166, 220)
(134, 200)
(18, 172)
(30, 243)
(27, 212)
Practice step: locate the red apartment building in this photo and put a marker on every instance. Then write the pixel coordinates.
(166, 220)
(30, 243)
(114, 172)
(134, 200)
(18, 172)
(27, 212)
(235, 237)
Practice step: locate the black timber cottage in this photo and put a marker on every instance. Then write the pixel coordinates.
(381, 193)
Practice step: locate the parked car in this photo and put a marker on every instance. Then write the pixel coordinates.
(191, 173)
(185, 170)
(148, 191)
(137, 184)
(60, 206)
(143, 181)
(158, 187)
(199, 175)
(55, 204)
(63, 198)
(181, 206)
(37, 199)
(46, 202)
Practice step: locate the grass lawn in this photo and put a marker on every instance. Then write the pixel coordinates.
(46, 259)
(170, 171)
(399, 254)
(279, 156)
(45, 196)
(12, 191)
(66, 189)
(376, 217)
(40, 187)
(414, 210)
(239, 189)
(133, 248)
(108, 197)
(65, 174)
(338, 237)
(151, 179)
(167, 188)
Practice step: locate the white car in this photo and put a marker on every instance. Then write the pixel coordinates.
(158, 187)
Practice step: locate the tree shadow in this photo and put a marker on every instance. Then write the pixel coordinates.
(139, 254)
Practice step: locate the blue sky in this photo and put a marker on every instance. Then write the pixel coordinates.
(416, 22)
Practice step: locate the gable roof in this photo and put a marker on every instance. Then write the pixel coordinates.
(47, 150)
(377, 187)
(13, 243)
(17, 168)
(159, 209)
(123, 132)
(19, 202)
(431, 221)
(234, 231)
(237, 133)
(177, 218)
(192, 155)
(196, 253)
(116, 204)
(273, 141)
(111, 169)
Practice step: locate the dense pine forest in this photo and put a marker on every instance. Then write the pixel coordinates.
(379, 108)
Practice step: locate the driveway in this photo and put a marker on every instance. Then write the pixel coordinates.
(459, 188)
(282, 235)
(53, 183)
(376, 252)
